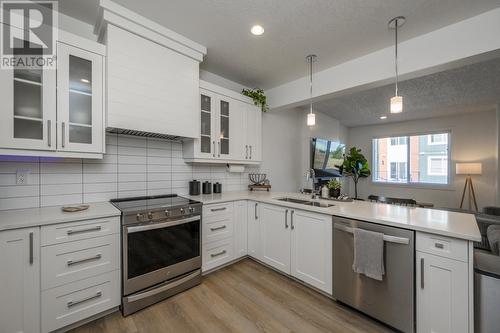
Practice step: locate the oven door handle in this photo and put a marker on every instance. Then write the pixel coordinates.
(146, 227)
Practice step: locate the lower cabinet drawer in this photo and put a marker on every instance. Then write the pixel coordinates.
(70, 262)
(216, 228)
(442, 246)
(217, 253)
(76, 301)
(78, 230)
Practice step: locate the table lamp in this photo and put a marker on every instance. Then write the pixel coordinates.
(469, 169)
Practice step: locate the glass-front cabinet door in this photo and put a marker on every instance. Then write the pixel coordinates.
(207, 144)
(28, 108)
(223, 134)
(80, 100)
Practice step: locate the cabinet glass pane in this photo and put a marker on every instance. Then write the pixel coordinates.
(80, 134)
(28, 129)
(205, 123)
(80, 100)
(224, 127)
(80, 108)
(224, 108)
(205, 144)
(224, 146)
(27, 99)
(205, 103)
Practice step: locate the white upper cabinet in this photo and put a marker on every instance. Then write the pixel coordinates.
(230, 130)
(20, 281)
(57, 111)
(80, 100)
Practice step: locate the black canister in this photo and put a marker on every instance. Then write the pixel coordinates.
(217, 187)
(194, 187)
(207, 187)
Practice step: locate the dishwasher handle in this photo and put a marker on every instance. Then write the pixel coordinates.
(387, 238)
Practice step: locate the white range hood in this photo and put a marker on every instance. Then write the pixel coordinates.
(152, 76)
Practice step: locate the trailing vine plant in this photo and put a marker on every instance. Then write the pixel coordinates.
(259, 99)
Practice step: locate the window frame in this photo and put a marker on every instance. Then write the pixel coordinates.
(409, 183)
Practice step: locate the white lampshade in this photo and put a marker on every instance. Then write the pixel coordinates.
(397, 104)
(469, 168)
(311, 119)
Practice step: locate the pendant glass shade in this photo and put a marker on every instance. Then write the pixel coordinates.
(311, 119)
(397, 104)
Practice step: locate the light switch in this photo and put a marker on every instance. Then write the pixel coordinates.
(22, 176)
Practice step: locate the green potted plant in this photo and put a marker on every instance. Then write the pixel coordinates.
(355, 166)
(334, 187)
(258, 97)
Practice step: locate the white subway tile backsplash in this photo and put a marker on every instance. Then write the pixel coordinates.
(100, 187)
(60, 167)
(61, 189)
(14, 191)
(130, 159)
(100, 178)
(135, 151)
(132, 177)
(18, 203)
(132, 186)
(62, 178)
(58, 200)
(100, 168)
(12, 167)
(160, 176)
(132, 166)
(126, 194)
(99, 197)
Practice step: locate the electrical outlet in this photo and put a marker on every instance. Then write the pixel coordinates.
(22, 176)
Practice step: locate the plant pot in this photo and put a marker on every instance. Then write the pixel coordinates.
(334, 192)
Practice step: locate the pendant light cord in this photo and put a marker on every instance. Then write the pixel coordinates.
(396, 53)
(311, 82)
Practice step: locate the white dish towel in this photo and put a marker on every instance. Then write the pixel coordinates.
(369, 253)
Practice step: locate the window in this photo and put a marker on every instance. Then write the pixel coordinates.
(412, 159)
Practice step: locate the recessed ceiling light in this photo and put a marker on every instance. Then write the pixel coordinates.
(257, 30)
(383, 117)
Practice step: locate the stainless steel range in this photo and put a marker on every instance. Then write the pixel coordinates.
(161, 248)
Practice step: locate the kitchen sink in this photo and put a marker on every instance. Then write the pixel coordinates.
(307, 202)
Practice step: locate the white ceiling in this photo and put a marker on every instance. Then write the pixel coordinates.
(469, 88)
(335, 30)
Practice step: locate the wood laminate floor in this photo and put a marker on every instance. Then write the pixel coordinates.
(243, 297)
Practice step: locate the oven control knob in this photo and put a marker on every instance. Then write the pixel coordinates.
(167, 213)
(191, 209)
(182, 211)
(139, 217)
(150, 215)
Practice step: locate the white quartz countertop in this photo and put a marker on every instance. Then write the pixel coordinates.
(33, 217)
(434, 221)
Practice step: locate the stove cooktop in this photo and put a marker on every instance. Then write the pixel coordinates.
(152, 203)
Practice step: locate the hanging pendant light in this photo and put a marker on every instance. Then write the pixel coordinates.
(396, 101)
(311, 117)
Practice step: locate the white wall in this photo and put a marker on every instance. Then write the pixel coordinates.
(473, 138)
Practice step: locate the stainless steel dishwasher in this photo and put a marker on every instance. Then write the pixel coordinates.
(392, 300)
